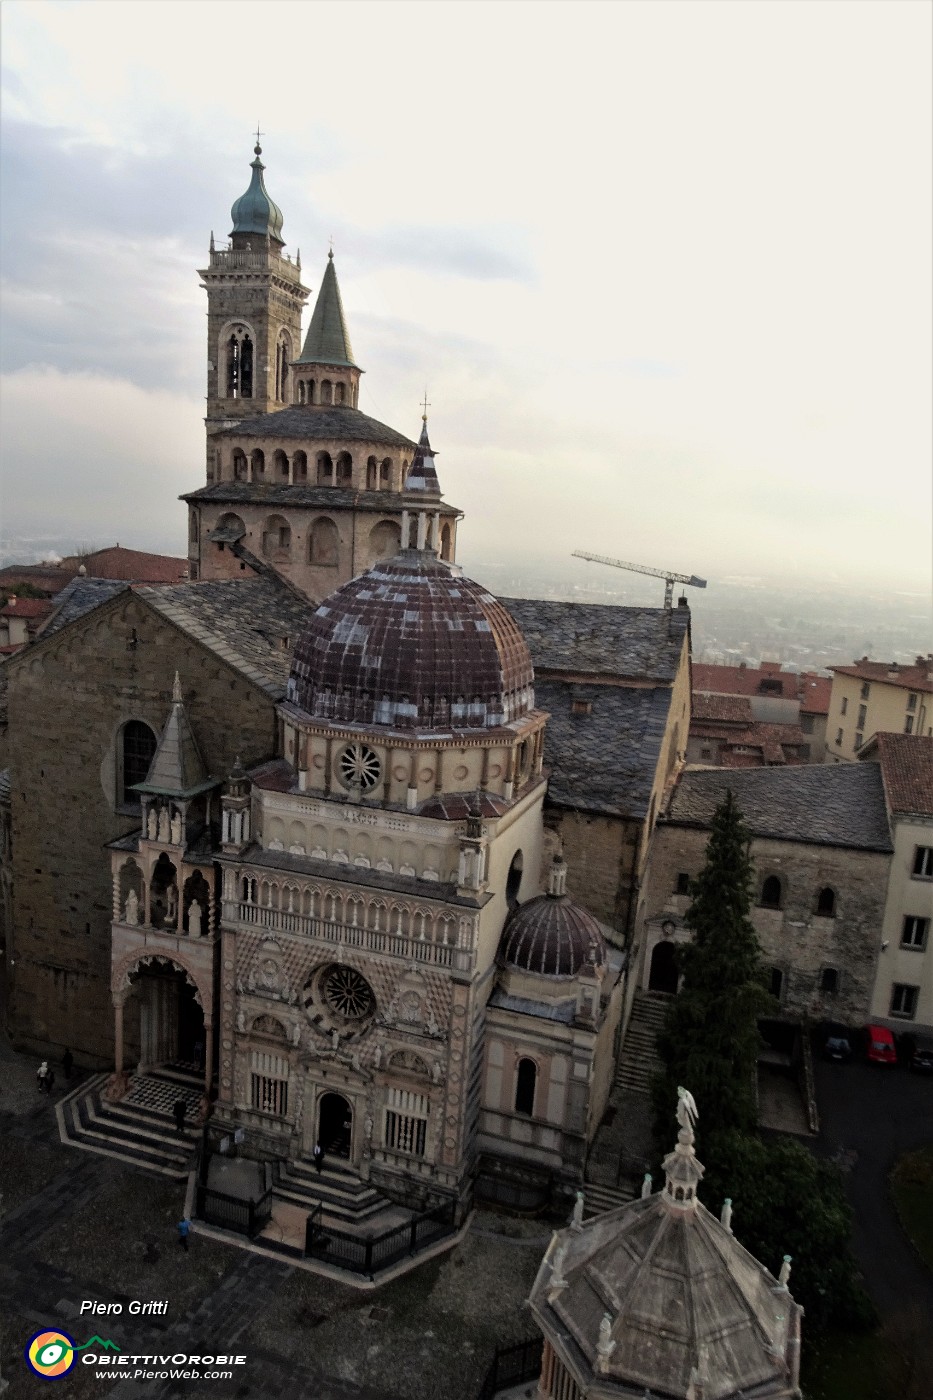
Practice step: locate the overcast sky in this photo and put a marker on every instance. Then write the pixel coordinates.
(665, 268)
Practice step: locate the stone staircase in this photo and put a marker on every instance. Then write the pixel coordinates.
(347, 1200)
(138, 1129)
(597, 1199)
(639, 1059)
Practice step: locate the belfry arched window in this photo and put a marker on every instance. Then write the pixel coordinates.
(282, 355)
(239, 364)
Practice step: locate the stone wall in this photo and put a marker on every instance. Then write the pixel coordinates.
(69, 697)
(794, 939)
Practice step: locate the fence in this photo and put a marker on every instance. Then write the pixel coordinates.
(368, 1256)
(232, 1212)
(512, 1366)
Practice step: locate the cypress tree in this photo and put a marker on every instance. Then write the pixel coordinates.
(710, 1039)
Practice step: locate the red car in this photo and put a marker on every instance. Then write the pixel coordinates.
(880, 1046)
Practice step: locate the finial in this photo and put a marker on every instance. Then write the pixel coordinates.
(576, 1219)
(725, 1218)
(687, 1113)
(257, 149)
(646, 1185)
(425, 405)
(784, 1275)
(212, 240)
(176, 690)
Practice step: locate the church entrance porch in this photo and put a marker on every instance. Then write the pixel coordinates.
(335, 1125)
(159, 1018)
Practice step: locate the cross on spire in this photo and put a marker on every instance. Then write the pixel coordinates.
(425, 405)
(258, 133)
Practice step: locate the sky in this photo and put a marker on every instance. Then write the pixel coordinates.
(664, 268)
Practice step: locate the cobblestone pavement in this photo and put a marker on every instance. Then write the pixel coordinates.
(76, 1226)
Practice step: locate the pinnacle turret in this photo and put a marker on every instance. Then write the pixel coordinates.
(328, 340)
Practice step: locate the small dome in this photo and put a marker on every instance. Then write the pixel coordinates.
(552, 936)
(412, 644)
(254, 211)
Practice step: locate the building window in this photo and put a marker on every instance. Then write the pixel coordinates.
(405, 1133)
(904, 1001)
(771, 893)
(909, 725)
(137, 746)
(240, 365)
(914, 932)
(862, 715)
(911, 702)
(525, 1087)
(706, 753)
(806, 724)
(826, 903)
(829, 981)
(845, 705)
(683, 883)
(923, 862)
(269, 1095)
(838, 736)
(776, 984)
(864, 691)
(859, 740)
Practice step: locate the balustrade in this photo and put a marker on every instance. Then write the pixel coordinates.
(395, 944)
(224, 260)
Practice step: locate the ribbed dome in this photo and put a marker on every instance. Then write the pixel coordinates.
(553, 936)
(254, 211)
(412, 644)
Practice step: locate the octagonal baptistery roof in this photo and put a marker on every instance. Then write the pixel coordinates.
(412, 644)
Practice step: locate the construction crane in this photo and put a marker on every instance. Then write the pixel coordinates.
(669, 578)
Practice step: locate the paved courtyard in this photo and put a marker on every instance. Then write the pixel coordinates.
(77, 1226)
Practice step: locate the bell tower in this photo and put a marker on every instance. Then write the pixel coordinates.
(254, 302)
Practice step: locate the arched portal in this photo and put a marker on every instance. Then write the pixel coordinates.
(335, 1125)
(663, 975)
(171, 1019)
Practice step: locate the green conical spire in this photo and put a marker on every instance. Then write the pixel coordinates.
(328, 341)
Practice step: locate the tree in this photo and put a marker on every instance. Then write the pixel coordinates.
(710, 1039)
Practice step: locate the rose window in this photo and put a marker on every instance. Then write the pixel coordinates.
(347, 993)
(359, 767)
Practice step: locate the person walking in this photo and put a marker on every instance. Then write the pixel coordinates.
(180, 1109)
(184, 1229)
(50, 1081)
(67, 1063)
(318, 1155)
(42, 1077)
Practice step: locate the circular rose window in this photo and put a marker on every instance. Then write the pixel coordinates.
(359, 767)
(347, 993)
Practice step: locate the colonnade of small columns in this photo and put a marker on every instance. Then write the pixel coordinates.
(376, 474)
(131, 909)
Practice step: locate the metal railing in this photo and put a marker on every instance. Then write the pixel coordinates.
(246, 1217)
(342, 1250)
(512, 1366)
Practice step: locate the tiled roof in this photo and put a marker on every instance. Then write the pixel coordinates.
(78, 598)
(601, 640)
(838, 804)
(133, 565)
(27, 607)
(906, 762)
(745, 680)
(328, 340)
(49, 578)
(916, 677)
(304, 421)
(736, 709)
(814, 693)
(603, 761)
(315, 497)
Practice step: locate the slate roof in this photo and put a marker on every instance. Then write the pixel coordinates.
(307, 421)
(916, 677)
(838, 804)
(243, 621)
(177, 768)
(5, 785)
(906, 762)
(600, 639)
(328, 340)
(604, 761)
(314, 497)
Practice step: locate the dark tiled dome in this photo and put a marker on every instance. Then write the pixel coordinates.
(412, 644)
(553, 936)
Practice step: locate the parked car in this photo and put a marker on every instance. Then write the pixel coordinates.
(921, 1056)
(837, 1044)
(881, 1049)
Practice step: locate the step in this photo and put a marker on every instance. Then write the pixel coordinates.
(108, 1117)
(96, 1125)
(343, 1196)
(597, 1199)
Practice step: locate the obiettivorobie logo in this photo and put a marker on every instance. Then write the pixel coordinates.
(52, 1354)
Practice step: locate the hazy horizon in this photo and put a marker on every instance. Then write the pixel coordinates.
(664, 268)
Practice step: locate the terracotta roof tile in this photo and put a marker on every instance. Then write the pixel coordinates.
(736, 709)
(906, 762)
(916, 677)
(27, 607)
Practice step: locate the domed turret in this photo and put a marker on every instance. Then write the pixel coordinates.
(412, 644)
(254, 212)
(551, 935)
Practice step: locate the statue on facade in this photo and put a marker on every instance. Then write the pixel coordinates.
(377, 1056)
(171, 904)
(131, 914)
(241, 1021)
(576, 1219)
(687, 1112)
(163, 824)
(296, 1035)
(176, 829)
(605, 1346)
(151, 824)
(194, 919)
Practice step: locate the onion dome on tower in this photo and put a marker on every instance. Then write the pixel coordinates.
(550, 935)
(412, 644)
(254, 212)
